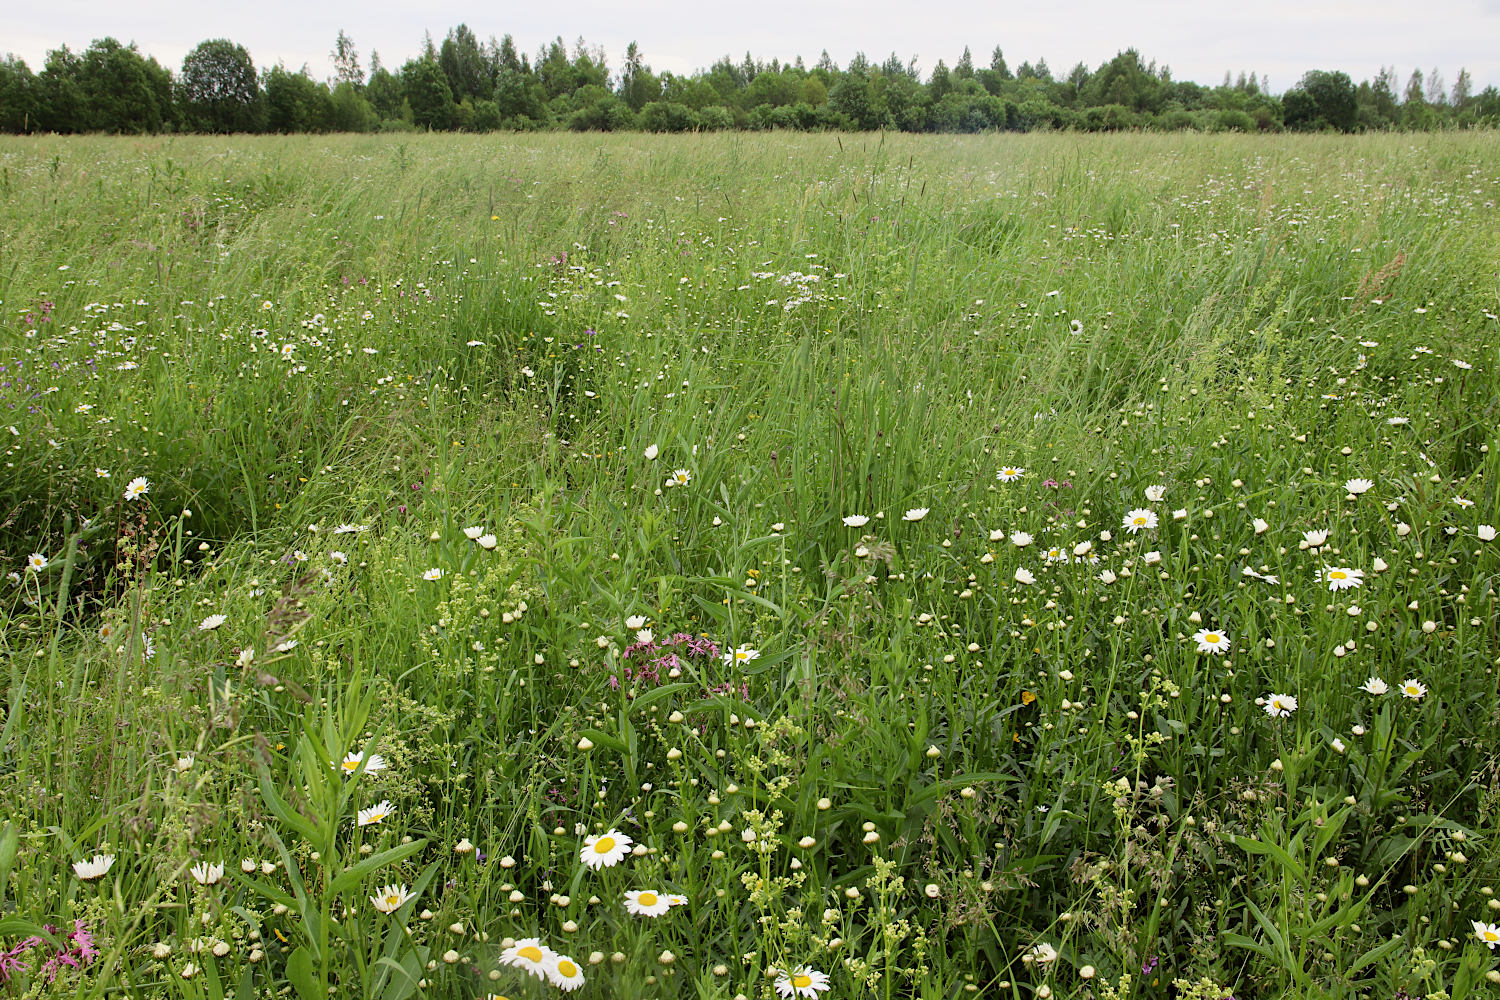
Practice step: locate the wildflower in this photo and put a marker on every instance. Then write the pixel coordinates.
(1463, 502)
(374, 814)
(856, 521)
(1341, 577)
(605, 851)
(645, 903)
(529, 954)
(137, 488)
(1180, 514)
(102, 473)
(1375, 686)
(635, 622)
(1486, 532)
(564, 973)
(36, 562)
(96, 868)
(1139, 518)
(350, 529)
(1314, 539)
(744, 654)
(390, 898)
(1010, 474)
(1042, 953)
(474, 532)
(1487, 933)
(433, 574)
(352, 761)
(1020, 539)
(680, 477)
(915, 514)
(207, 874)
(651, 452)
(211, 622)
(1025, 576)
(338, 558)
(1156, 493)
(486, 542)
(1413, 689)
(1211, 641)
(1260, 524)
(1280, 705)
(1461, 364)
(803, 981)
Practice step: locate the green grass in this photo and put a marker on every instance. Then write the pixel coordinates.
(931, 768)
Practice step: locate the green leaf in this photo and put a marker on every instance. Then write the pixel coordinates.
(355, 874)
(299, 972)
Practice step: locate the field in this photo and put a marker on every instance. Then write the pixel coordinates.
(843, 566)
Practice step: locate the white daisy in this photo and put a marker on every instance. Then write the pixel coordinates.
(802, 981)
(207, 874)
(856, 521)
(1413, 689)
(1156, 494)
(137, 488)
(374, 814)
(211, 622)
(529, 954)
(1341, 577)
(744, 654)
(390, 898)
(36, 562)
(915, 514)
(1211, 641)
(1375, 686)
(1280, 705)
(1354, 487)
(352, 761)
(605, 850)
(89, 870)
(564, 973)
(646, 903)
(1139, 518)
(1010, 473)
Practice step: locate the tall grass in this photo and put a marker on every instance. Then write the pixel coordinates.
(329, 357)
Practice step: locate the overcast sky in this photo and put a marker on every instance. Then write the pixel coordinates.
(1198, 39)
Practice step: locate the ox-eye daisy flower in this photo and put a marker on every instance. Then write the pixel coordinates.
(915, 514)
(564, 973)
(605, 850)
(352, 761)
(1341, 577)
(36, 562)
(207, 874)
(137, 488)
(211, 622)
(1139, 518)
(803, 981)
(1413, 689)
(744, 654)
(1487, 933)
(1375, 686)
(529, 954)
(1280, 705)
(856, 521)
(88, 870)
(374, 814)
(1211, 641)
(390, 898)
(1010, 473)
(1354, 487)
(680, 477)
(1156, 493)
(646, 903)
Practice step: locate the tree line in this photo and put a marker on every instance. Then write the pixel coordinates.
(467, 85)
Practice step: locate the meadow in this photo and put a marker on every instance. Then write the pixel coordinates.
(750, 566)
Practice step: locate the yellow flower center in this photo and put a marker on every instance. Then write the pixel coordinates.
(604, 845)
(1211, 637)
(531, 953)
(1490, 935)
(393, 901)
(567, 968)
(350, 765)
(646, 899)
(801, 981)
(1140, 520)
(1338, 574)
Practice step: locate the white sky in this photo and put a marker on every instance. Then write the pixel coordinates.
(1198, 39)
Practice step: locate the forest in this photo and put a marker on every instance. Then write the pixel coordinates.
(467, 85)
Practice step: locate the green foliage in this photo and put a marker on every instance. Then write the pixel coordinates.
(218, 89)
